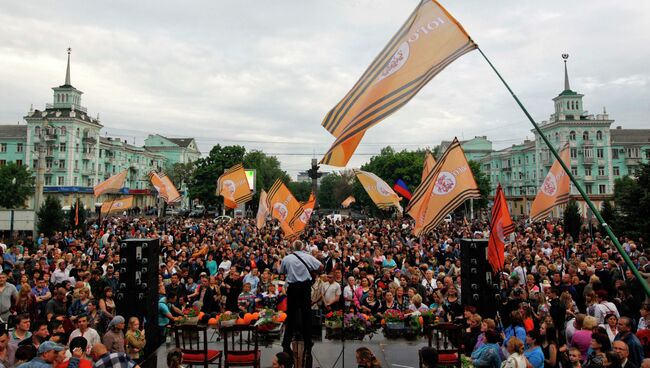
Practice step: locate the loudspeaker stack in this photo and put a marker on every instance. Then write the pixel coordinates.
(477, 286)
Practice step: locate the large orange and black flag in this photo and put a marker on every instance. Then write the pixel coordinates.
(429, 163)
(111, 185)
(380, 192)
(262, 211)
(299, 222)
(166, 189)
(500, 227)
(429, 40)
(283, 206)
(348, 201)
(233, 186)
(555, 189)
(117, 205)
(447, 186)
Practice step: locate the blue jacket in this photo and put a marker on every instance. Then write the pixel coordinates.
(487, 356)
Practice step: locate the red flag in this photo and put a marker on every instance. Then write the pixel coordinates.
(500, 227)
(76, 214)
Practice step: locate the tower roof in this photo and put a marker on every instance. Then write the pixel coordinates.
(67, 72)
(567, 87)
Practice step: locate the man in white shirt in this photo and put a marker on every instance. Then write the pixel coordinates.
(348, 292)
(88, 333)
(331, 293)
(59, 275)
(604, 307)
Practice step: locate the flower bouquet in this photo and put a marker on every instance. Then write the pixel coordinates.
(334, 320)
(268, 321)
(190, 315)
(356, 325)
(228, 319)
(394, 323)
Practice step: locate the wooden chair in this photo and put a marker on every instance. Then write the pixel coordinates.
(241, 346)
(192, 340)
(446, 338)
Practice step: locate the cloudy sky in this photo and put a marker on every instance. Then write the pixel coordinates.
(264, 74)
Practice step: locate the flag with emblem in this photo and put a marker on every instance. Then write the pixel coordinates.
(427, 42)
(233, 186)
(111, 185)
(446, 187)
(165, 188)
(283, 206)
(262, 210)
(555, 189)
(380, 192)
(429, 163)
(348, 201)
(117, 205)
(500, 227)
(299, 222)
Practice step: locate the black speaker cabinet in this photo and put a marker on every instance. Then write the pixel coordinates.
(477, 287)
(137, 293)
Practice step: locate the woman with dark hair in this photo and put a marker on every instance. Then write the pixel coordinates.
(613, 360)
(610, 326)
(488, 354)
(366, 359)
(282, 360)
(549, 345)
(534, 353)
(174, 358)
(515, 329)
(600, 345)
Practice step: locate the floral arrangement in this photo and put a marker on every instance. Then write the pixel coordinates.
(394, 315)
(267, 317)
(228, 316)
(334, 319)
(356, 322)
(190, 312)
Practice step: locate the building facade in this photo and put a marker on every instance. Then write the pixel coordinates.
(76, 157)
(599, 154)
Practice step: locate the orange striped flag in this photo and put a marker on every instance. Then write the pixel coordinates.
(233, 186)
(429, 40)
(429, 163)
(555, 189)
(348, 201)
(117, 205)
(447, 186)
(283, 206)
(165, 187)
(299, 222)
(111, 185)
(381, 193)
(500, 227)
(262, 210)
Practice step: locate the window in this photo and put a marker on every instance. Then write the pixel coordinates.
(574, 170)
(19, 162)
(3, 162)
(600, 153)
(62, 147)
(587, 170)
(599, 135)
(76, 164)
(617, 171)
(3, 147)
(601, 170)
(48, 180)
(589, 153)
(572, 135)
(61, 180)
(48, 163)
(585, 136)
(633, 152)
(614, 153)
(19, 147)
(37, 131)
(62, 164)
(35, 163)
(75, 180)
(588, 188)
(557, 136)
(63, 130)
(602, 189)
(574, 152)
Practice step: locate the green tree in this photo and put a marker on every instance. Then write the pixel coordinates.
(72, 215)
(608, 212)
(632, 198)
(267, 171)
(572, 219)
(334, 188)
(483, 182)
(17, 185)
(179, 173)
(300, 189)
(50, 216)
(203, 182)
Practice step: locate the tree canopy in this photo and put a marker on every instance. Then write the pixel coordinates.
(50, 216)
(632, 200)
(17, 185)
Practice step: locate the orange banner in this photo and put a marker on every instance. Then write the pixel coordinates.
(299, 222)
(117, 205)
(429, 163)
(381, 193)
(283, 206)
(233, 186)
(429, 40)
(500, 227)
(447, 186)
(165, 187)
(262, 210)
(348, 201)
(111, 185)
(555, 189)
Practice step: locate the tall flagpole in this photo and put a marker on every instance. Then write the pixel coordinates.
(593, 208)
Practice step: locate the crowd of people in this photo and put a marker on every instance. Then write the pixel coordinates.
(565, 301)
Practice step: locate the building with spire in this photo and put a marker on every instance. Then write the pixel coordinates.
(599, 154)
(76, 156)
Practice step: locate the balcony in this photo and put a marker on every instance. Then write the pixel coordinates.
(50, 137)
(588, 178)
(632, 161)
(602, 177)
(89, 156)
(506, 169)
(588, 159)
(66, 105)
(587, 143)
(60, 169)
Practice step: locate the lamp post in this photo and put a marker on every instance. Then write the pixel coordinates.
(11, 219)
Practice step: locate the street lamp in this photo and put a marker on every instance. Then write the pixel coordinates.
(11, 219)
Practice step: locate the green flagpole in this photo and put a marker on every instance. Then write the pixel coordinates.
(593, 208)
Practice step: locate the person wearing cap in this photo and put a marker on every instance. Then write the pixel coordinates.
(114, 338)
(45, 356)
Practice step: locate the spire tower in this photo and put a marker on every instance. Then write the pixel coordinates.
(67, 71)
(564, 56)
